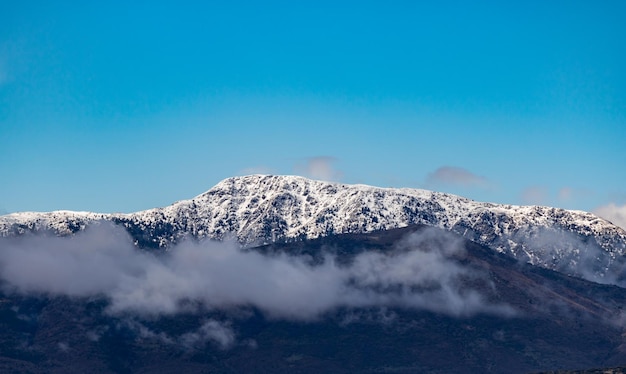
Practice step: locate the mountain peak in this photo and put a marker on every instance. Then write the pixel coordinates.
(257, 209)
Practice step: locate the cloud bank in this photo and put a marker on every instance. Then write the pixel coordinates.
(102, 261)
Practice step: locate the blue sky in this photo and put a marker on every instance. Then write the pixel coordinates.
(110, 106)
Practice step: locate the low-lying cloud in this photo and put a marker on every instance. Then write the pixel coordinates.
(569, 253)
(102, 261)
(211, 331)
(613, 213)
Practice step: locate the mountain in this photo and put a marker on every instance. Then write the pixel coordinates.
(259, 209)
(551, 321)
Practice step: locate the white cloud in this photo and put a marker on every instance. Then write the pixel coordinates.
(613, 213)
(102, 261)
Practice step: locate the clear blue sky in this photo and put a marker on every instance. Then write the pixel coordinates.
(107, 106)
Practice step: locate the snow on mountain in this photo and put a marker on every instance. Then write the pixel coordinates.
(259, 209)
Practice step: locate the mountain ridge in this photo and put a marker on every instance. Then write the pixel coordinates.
(259, 209)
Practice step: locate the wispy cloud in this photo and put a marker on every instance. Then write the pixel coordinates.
(452, 175)
(218, 333)
(566, 193)
(613, 213)
(211, 331)
(320, 167)
(534, 195)
(568, 253)
(569, 194)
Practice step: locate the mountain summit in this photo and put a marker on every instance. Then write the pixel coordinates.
(259, 209)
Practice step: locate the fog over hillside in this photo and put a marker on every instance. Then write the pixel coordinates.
(96, 300)
(102, 260)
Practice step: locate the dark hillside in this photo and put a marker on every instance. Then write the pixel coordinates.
(552, 322)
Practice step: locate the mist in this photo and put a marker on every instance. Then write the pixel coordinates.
(102, 261)
(572, 254)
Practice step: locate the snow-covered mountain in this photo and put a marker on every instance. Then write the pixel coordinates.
(259, 209)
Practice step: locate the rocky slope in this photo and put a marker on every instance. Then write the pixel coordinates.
(260, 209)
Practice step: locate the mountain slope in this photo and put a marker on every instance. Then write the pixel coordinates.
(262, 209)
(559, 322)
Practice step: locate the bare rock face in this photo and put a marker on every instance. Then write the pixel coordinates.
(259, 209)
